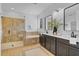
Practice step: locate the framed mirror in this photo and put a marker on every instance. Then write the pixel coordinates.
(41, 23)
(71, 18)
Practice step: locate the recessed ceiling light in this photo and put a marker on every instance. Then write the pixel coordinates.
(12, 8)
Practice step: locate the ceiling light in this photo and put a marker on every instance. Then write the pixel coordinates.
(12, 8)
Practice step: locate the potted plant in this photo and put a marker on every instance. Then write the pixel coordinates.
(55, 25)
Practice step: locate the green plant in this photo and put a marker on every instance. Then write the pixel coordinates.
(49, 24)
(55, 23)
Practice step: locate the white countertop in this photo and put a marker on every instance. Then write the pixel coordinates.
(72, 40)
(63, 37)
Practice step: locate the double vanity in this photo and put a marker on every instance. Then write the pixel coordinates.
(60, 45)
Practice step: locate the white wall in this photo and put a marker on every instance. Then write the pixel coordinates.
(60, 17)
(57, 15)
(52, 8)
(46, 12)
(51, 11)
(31, 20)
(14, 14)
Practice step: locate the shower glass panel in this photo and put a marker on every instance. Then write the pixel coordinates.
(13, 29)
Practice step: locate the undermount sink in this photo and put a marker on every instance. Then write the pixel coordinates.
(73, 40)
(77, 43)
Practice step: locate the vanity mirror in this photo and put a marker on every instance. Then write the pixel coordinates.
(71, 18)
(48, 22)
(45, 23)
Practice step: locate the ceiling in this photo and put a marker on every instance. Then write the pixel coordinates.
(30, 8)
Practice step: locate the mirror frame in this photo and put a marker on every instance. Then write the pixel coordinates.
(64, 14)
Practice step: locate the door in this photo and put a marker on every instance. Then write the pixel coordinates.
(43, 40)
(48, 42)
(13, 29)
(6, 28)
(53, 44)
(62, 49)
(73, 51)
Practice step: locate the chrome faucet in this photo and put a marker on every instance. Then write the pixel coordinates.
(73, 35)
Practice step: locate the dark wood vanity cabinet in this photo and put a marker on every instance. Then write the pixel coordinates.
(48, 42)
(53, 45)
(42, 40)
(58, 46)
(62, 47)
(73, 51)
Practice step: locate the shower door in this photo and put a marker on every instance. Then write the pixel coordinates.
(13, 31)
(6, 29)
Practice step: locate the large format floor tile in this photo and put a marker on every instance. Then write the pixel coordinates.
(32, 50)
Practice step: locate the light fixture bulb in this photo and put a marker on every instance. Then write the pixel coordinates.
(12, 8)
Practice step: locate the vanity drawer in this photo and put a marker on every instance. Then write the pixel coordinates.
(63, 40)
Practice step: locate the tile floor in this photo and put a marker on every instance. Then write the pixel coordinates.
(32, 50)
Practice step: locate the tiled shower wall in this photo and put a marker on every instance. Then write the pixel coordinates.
(0, 28)
(0, 34)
